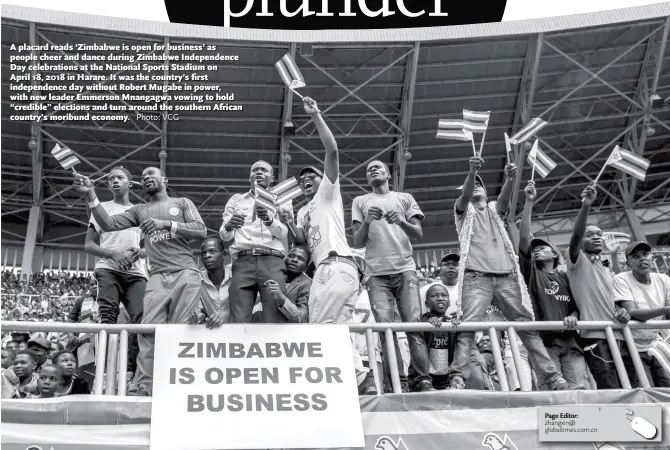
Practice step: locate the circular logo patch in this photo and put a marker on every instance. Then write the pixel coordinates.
(174, 211)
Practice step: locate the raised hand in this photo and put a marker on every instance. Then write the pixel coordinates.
(510, 170)
(530, 191)
(310, 106)
(611, 243)
(589, 194)
(82, 182)
(475, 164)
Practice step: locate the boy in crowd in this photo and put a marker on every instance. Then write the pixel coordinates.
(440, 344)
(20, 380)
(294, 304)
(489, 270)
(385, 223)
(646, 297)
(592, 288)
(72, 384)
(8, 356)
(49, 382)
(119, 267)
(552, 298)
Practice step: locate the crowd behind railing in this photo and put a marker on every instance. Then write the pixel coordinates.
(581, 319)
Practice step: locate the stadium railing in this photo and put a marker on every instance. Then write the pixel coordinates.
(112, 348)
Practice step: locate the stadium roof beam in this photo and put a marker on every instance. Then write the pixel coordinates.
(284, 156)
(642, 142)
(524, 107)
(400, 159)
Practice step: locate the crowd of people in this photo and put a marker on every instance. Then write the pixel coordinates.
(302, 269)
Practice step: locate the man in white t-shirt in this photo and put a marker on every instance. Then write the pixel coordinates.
(119, 268)
(449, 277)
(320, 224)
(384, 223)
(646, 297)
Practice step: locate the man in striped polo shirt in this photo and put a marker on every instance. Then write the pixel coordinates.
(168, 225)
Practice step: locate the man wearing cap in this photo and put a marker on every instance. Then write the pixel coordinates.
(119, 268)
(385, 223)
(552, 298)
(592, 286)
(646, 297)
(320, 224)
(489, 271)
(41, 347)
(258, 245)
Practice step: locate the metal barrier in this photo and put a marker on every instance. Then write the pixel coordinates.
(112, 349)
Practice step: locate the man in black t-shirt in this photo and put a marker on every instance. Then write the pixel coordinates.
(552, 299)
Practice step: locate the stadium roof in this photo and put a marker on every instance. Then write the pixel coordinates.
(382, 92)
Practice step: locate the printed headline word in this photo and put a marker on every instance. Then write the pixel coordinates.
(320, 8)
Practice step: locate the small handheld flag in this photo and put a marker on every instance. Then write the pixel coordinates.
(286, 191)
(290, 73)
(540, 161)
(454, 130)
(65, 157)
(477, 122)
(266, 200)
(627, 162)
(528, 131)
(508, 147)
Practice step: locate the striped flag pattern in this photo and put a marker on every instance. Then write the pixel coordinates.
(528, 131)
(543, 164)
(476, 122)
(266, 199)
(628, 162)
(65, 157)
(290, 73)
(453, 130)
(286, 191)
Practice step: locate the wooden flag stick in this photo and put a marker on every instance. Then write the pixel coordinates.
(474, 150)
(508, 148)
(481, 144)
(600, 173)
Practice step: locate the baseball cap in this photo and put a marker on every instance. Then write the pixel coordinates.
(478, 179)
(537, 242)
(310, 169)
(635, 246)
(40, 342)
(451, 257)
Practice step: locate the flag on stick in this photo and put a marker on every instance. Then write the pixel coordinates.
(266, 200)
(290, 73)
(286, 191)
(508, 147)
(540, 161)
(453, 130)
(65, 157)
(528, 131)
(627, 162)
(477, 122)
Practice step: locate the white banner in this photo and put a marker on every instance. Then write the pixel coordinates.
(254, 386)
